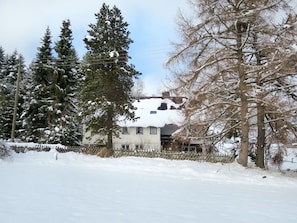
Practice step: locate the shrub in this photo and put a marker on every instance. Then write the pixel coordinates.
(104, 152)
(278, 159)
(3, 152)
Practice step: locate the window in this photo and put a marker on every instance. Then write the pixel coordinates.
(139, 130)
(125, 131)
(153, 130)
(125, 147)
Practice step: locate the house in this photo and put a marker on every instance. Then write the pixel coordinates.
(158, 118)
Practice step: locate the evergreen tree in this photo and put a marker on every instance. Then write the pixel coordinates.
(8, 77)
(40, 110)
(67, 80)
(106, 94)
(1, 58)
(21, 97)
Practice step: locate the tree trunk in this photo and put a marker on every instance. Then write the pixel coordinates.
(260, 112)
(243, 154)
(109, 145)
(261, 136)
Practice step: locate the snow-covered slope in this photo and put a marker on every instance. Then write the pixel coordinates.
(35, 187)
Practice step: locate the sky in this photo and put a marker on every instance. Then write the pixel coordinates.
(152, 25)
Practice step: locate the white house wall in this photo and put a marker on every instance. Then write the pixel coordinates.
(146, 140)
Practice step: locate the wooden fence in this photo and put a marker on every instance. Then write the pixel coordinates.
(201, 157)
(93, 150)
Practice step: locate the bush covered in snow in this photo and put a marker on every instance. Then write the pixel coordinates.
(4, 151)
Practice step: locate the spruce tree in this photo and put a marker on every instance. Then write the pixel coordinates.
(8, 76)
(68, 78)
(1, 58)
(39, 111)
(22, 96)
(106, 94)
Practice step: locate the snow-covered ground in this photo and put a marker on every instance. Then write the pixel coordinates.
(35, 187)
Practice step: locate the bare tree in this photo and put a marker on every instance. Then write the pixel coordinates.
(216, 65)
(137, 90)
(274, 61)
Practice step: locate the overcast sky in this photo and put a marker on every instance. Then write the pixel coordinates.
(152, 25)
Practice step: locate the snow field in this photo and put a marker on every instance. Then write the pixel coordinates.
(35, 187)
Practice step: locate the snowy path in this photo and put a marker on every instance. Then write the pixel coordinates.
(78, 188)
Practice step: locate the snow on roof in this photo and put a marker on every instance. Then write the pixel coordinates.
(150, 115)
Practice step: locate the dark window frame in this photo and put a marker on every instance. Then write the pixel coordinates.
(125, 130)
(139, 130)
